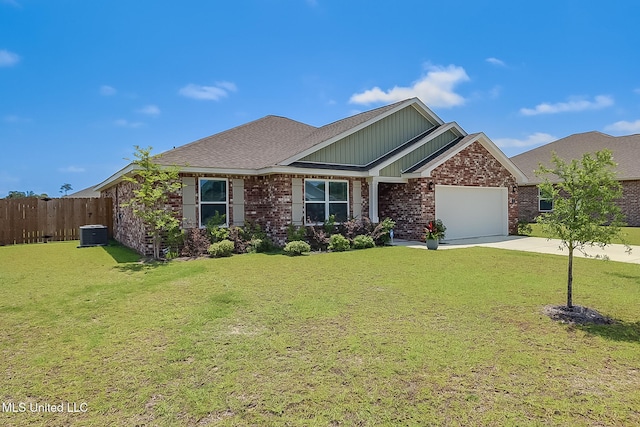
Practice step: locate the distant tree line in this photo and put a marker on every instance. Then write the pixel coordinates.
(22, 194)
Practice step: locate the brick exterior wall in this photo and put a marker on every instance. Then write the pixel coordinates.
(528, 203)
(128, 228)
(629, 203)
(412, 205)
(267, 202)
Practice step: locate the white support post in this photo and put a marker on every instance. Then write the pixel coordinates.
(373, 199)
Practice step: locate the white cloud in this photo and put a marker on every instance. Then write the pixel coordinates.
(625, 127)
(312, 3)
(496, 61)
(72, 169)
(13, 3)
(436, 89)
(533, 140)
(8, 59)
(209, 93)
(149, 110)
(127, 124)
(106, 90)
(637, 91)
(599, 102)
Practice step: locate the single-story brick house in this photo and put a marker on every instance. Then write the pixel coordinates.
(626, 153)
(399, 161)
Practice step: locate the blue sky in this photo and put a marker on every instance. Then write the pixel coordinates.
(82, 82)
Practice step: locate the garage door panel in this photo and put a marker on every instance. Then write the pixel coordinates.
(472, 211)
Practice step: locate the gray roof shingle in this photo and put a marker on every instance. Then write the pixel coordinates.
(625, 149)
(261, 143)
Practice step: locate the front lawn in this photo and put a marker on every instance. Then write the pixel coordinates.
(384, 336)
(631, 234)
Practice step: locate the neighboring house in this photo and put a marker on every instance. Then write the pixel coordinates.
(84, 193)
(399, 161)
(626, 153)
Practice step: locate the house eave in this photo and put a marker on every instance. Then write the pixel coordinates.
(272, 170)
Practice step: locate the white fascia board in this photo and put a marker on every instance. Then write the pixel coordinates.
(521, 178)
(271, 170)
(490, 147)
(427, 112)
(414, 101)
(451, 126)
(116, 177)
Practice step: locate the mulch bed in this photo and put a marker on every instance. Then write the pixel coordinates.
(576, 315)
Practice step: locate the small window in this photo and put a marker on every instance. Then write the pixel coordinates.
(545, 201)
(323, 198)
(213, 200)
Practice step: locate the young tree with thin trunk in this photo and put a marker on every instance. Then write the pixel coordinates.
(153, 184)
(584, 213)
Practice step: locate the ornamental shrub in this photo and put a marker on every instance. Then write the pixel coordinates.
(524, 228)
(195, 243)
(216, 232)
(339, 243)
(317, 238)
(295, 233)
(355, 227)
(221, 249)
(297, 247)
(380, 233)
(363, 242)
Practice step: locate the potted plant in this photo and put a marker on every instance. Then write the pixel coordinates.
(433, 233)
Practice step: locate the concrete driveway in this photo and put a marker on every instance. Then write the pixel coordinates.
(533, 244)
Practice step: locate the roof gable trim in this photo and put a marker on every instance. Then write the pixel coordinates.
(521, 178)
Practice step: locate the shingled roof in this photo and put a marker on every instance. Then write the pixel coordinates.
(625, 149)
(262, 143)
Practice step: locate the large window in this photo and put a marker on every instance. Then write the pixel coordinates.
(213, 199)
(323, 198)
(545, 201)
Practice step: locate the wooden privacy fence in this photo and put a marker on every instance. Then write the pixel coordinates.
(31, 220)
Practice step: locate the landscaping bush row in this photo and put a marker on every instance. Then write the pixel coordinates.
(218, 241)
(353, 234)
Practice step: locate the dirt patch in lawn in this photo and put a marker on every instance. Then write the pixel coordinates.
(576, 315)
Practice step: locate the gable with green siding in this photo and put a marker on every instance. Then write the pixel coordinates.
(419, 154)
(374, 141)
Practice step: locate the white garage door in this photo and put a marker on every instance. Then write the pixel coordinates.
(472, 211)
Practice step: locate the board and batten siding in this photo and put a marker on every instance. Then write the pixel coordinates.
(416, 156)
(376, 140)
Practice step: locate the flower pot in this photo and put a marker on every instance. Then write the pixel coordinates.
(432, 244)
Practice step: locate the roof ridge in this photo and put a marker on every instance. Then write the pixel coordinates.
(233, 129)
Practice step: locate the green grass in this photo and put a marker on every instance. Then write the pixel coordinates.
(385, 336)
(631, 234)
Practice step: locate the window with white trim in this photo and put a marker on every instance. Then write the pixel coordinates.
(213, 199)
(545, 201)
(324, 197)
